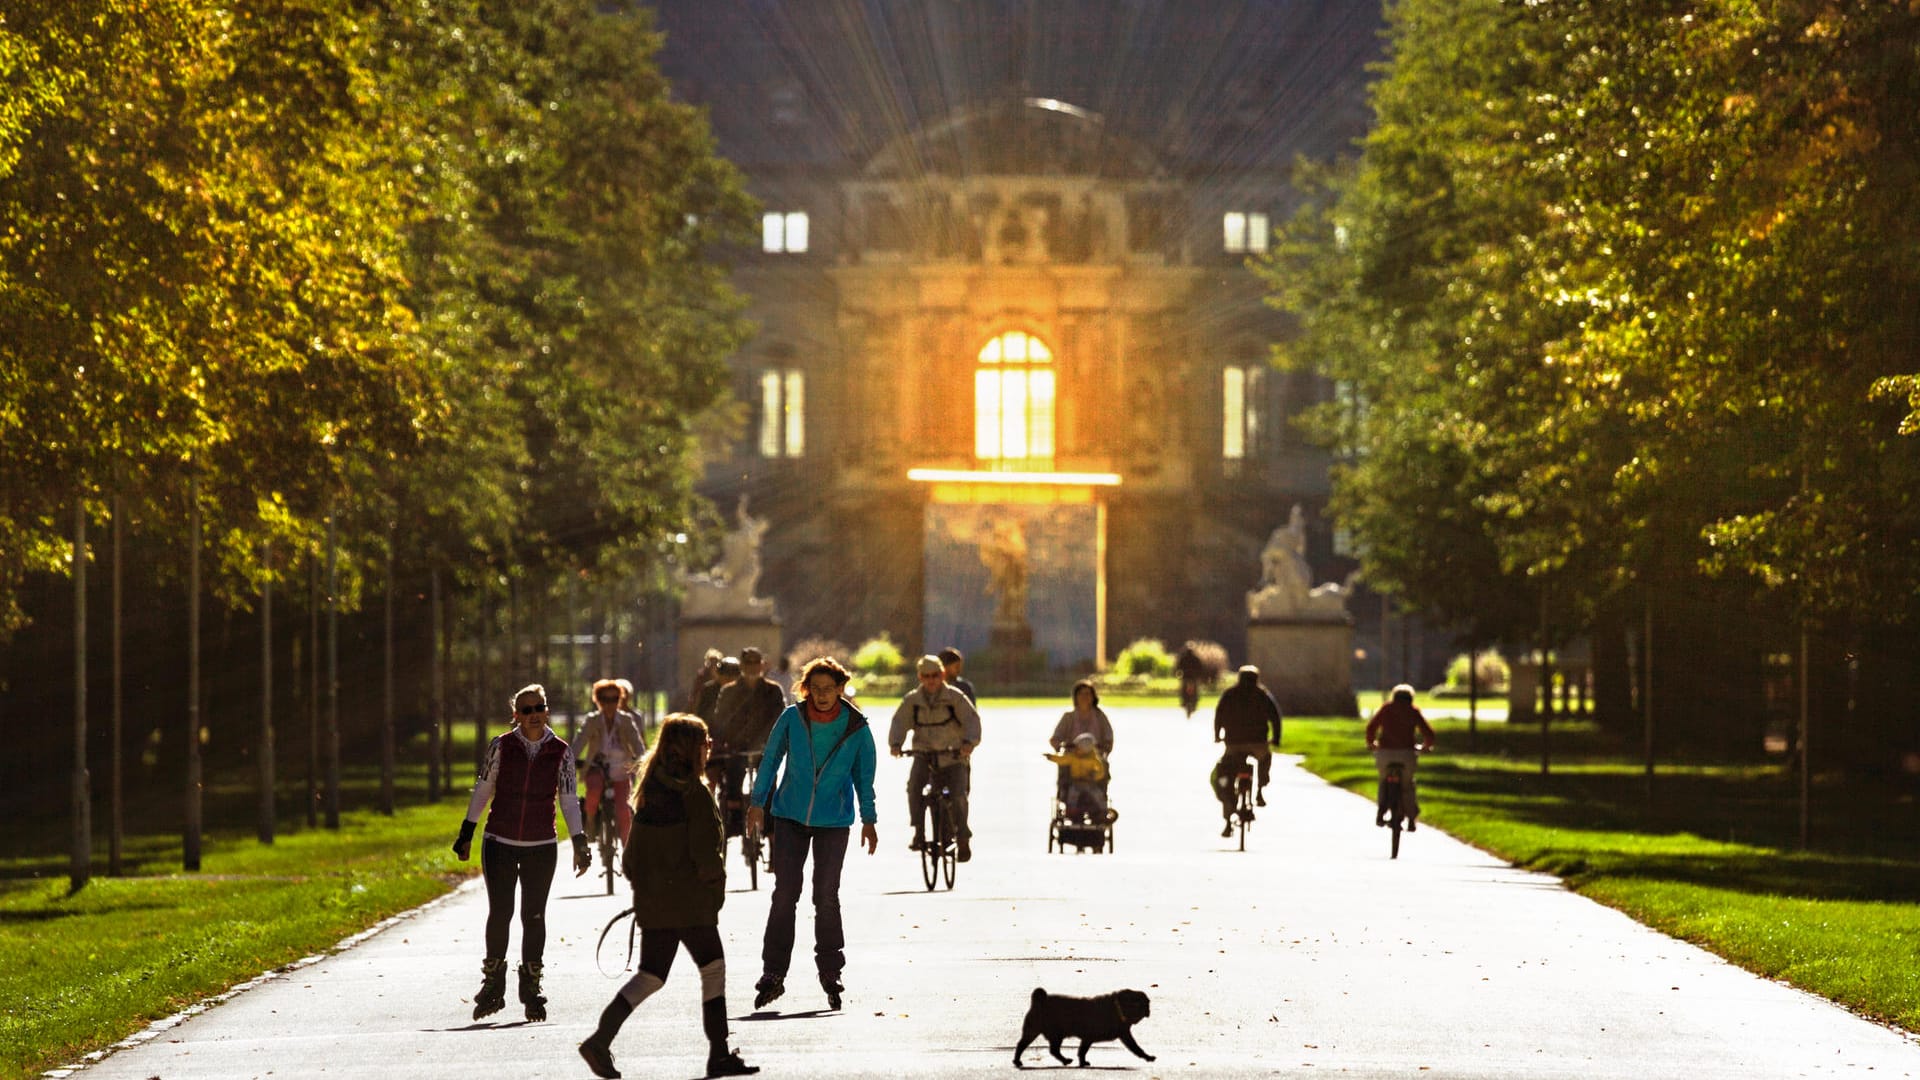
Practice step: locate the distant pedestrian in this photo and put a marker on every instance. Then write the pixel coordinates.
(953, 662)
(818, 764)
(676, 863)
(1085, 718)
(725, 674)
(709, 663)
(525, 771)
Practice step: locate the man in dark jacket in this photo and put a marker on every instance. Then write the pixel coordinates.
(743, 716)
(1242, 719)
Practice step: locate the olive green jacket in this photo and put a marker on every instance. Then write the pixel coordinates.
(676, 854)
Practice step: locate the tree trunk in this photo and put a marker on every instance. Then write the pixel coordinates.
(333, 676)
(436, 748)
(266, 701)
(386, 714)
(116, 826)
(191, 847)
(81, 870)
(313, 691)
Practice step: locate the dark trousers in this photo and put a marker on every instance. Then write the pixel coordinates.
(530, 869)
(791, 843)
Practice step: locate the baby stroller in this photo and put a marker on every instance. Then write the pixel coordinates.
(1088, 828)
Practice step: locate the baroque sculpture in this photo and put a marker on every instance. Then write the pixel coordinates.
(1286, 581)
(726, 590)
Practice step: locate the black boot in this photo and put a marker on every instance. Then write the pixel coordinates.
(530, 995)
(831, 984)
(724, 1062)
(493, 988)
(598, 1047)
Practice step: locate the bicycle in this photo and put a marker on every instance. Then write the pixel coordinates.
(606, 827)
(1190, 695)
(733, 807)
(939, 851)
(1243, 803)
(1392, 790)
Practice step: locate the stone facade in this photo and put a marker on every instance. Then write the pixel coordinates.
(1108, 245)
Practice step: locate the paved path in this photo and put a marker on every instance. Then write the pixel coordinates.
(1309, 954)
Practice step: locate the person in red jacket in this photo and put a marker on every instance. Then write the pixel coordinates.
(526, 770)
(1396, 729)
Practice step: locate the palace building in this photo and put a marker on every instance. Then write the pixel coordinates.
(1011, 388)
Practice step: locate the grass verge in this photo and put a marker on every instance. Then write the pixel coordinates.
(81, 972)
(1707, 852)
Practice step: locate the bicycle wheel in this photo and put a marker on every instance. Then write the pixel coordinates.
(949, 849)
(930, 848)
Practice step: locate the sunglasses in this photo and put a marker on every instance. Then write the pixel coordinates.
(529, 710)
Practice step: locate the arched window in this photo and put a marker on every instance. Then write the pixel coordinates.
(1013, 394)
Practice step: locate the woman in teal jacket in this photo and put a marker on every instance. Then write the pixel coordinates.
(819, 760)
(675, 861)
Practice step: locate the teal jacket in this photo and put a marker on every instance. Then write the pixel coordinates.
(821, 793)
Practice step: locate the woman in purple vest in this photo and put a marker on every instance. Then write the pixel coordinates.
(526, 769)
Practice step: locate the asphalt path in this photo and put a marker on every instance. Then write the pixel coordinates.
(1311, 953)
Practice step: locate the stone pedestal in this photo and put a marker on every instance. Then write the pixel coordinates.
(729, 635)
(1306, 664)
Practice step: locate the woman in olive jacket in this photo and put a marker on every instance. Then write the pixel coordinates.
(675, 859)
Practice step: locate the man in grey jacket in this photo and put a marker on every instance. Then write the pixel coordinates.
(941, 720)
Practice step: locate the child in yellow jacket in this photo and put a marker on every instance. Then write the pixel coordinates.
(1086, 779)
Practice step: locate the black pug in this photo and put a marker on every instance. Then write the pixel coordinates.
(1091, 1020)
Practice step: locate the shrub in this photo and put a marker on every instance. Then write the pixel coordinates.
(1143, 657)
(1491, 665)
(809, 647)
(878, 656)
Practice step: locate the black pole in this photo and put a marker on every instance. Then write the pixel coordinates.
(313, 690)
(116, 828)
(386, 716)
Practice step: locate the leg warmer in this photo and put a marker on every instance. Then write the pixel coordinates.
(641, 987)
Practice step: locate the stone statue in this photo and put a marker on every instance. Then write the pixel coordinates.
(1005, 556)
(726, 591)
(1286, 581)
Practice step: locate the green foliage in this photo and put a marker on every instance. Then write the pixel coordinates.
(1492, 668)
(1607, 294)
(878, 656)
(442, 272)
(1145, 656)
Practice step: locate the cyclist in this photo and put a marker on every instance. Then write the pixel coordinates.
(613, 745)
(743, 717)
(1242, 719)
(1191, 669)
(940, 718)
(725, 674)
(525, 770)
(1396, 729)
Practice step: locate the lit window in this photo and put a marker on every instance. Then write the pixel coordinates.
(1246, 232)
(784, 232)
(783, 413)
(1013, 400)
(1240, 396)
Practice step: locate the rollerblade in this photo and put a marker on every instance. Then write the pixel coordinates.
(530, 995)
(493, 988)
(831, 984)
(768, 990)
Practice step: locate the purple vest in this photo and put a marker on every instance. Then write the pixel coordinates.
(525, 789)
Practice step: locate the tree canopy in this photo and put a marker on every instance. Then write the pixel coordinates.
(442, 270)
(1621, 293)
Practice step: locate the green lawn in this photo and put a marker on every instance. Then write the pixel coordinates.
(1709, 856)
(83, 971)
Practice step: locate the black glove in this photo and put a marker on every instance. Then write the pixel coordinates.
(582, 858)
(463, 847)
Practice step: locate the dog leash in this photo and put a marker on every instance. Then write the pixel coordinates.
(632, 927)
